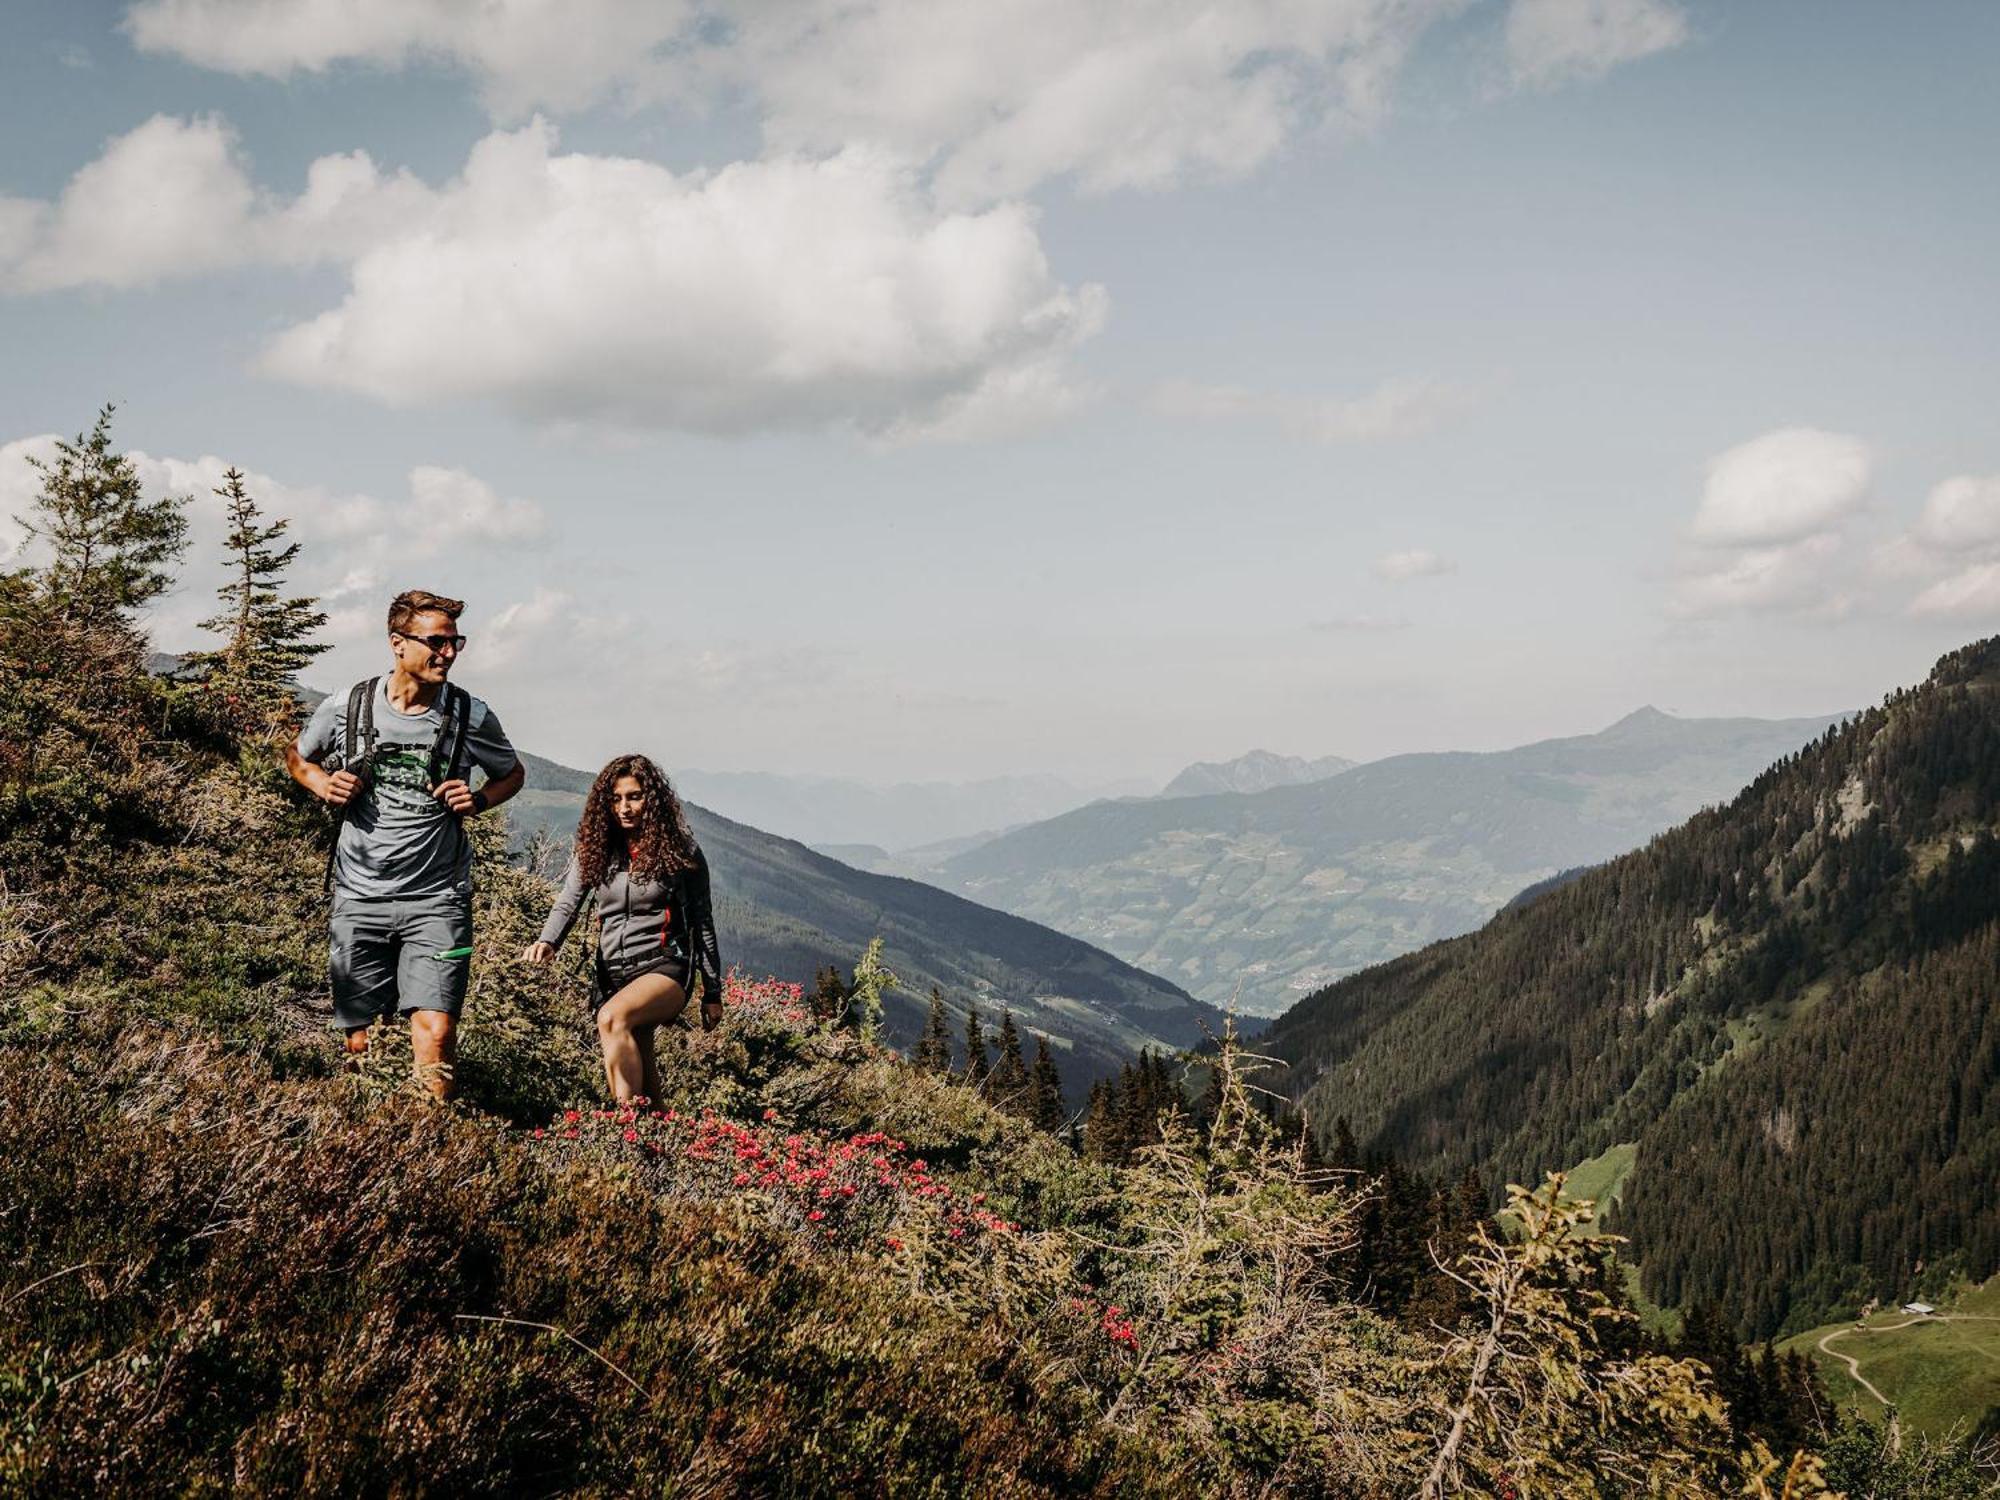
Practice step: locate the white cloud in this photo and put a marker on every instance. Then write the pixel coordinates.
(523, 52)
(1973, 593)
(1550, 42)
(354, 543)
(1768, 534)
(1962, 513)
(789, 292)
(174, 198)
(1395, 409)
(1007, 95)
(520, 627)
(1788, 579)
(1416, 562)
(996, 96)
(20, 482)
(166, 199)
(1955, 544)
(1785, 486)
(470, 508)
(444, 511)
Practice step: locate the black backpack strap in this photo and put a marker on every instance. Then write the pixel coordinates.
(357, 748)
(448, 758)
(357, 754)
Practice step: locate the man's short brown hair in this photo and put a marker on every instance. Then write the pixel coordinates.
(407, 605)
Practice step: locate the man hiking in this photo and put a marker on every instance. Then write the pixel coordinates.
(392, 754)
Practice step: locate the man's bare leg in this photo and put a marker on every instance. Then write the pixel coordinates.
(434, 1047)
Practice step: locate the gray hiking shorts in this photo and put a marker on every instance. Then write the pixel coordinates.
(398, 954)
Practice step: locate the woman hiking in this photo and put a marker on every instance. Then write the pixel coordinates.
(635, 854)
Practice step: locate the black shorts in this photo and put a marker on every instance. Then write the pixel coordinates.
(607, 981)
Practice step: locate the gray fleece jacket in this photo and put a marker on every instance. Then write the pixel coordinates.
(646, 919)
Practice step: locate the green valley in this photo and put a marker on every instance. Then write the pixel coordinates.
(1263, 897)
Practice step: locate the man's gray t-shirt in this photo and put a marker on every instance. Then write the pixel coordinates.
(397, 839)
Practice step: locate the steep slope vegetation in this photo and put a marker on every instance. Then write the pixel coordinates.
(1268, 896)
(809, 1269)
(1791, 1005)
(783, 909)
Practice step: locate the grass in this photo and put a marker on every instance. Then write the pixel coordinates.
(1602, 1178)
(1939, 1373)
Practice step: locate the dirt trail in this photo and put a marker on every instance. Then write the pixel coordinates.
(1854, 1365)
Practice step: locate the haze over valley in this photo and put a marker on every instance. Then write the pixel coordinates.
(1263, 897)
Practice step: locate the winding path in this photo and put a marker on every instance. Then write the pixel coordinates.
(1854, 1365)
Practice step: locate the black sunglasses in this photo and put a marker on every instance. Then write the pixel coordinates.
(436, 642)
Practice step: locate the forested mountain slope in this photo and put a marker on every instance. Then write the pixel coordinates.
(783, 909)
(1266, 896)
(1791, 1004)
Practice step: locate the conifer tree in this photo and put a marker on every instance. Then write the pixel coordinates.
(1103, 1133)
(872, 980)
(1135, 1116)
(266, 632)
(829, 994)
(975, 1048)
(1009, 1083)
(933, 1053)
(112, 549)
(1209, 1105)
(1045, 1100)
(1346, 1155)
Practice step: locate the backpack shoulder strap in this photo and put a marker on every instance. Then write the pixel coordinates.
(448, 750)
(358, 733)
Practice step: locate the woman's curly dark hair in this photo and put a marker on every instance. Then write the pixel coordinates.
(662, 842)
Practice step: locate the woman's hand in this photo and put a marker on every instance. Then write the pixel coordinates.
(539, 952)
(711, 1012)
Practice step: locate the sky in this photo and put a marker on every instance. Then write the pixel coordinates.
(942, 389)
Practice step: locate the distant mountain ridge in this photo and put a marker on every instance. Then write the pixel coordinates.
(1265, 896)
(1254, 771)
(834, 810)
(1786, 1011)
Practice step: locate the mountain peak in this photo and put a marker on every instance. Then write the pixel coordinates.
(1640, 719)
(1253, 771)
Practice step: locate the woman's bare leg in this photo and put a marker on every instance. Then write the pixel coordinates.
(648, 1001)
(649, 1063)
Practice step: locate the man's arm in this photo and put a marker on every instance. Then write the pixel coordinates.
(500, 790)
(335, 789)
